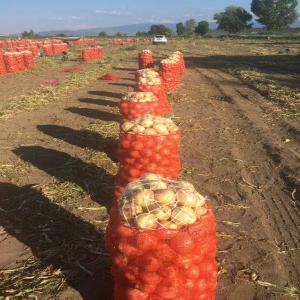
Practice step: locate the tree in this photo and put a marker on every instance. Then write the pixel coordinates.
(29, 35)
(190, 26)
(102, 34)
(142, 33)
(160, 29)
(118, 34)
(202, 28)
(234, 19)
(180, 29)
(275, 14)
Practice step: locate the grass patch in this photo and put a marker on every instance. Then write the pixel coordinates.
(284, 96)
(47, 94)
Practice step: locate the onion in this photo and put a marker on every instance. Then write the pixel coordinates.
(160, 129)
(200, 200)
(147, 122)
(165, 197)
(127, 126)
(157, 185)
(138, 129)
(151, 176)
(184, 215)
(143, 198)
(169, 225)
(163, 213)
(146, 221)
(200, 211)
(187, 198)
(150, 131)
(186, 185)
(135, 185)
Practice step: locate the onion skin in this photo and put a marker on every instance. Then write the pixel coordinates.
(165, 197)
(187, 198)
(146, 221)
(184, 216)
(143, 198)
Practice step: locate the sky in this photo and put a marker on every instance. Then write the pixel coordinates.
(39, 15)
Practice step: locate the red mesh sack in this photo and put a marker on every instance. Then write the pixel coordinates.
(149, 144)
(145, 59)
(92, 53)
(20, 61)
(159, 92)
(10, 61)
(28, 59)
(2, 64)
(109, 76)
(48, 49)
(137, 104)
(182, 67)
(162, 240)
(169, 72)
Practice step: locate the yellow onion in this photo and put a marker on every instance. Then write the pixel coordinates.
(151, 176)
(200, 200)
(169, 225)
(187, 198)
(200, 211)
(163, 213)
(143, 198)
(150, 131)
(165, 197)
(127, 126)
(146, 221)
(186, 186)
(183, 215)
(138, 129)
(161, 129)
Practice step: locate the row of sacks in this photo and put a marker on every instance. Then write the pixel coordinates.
(92, 53)
(13, 44)
(83, 42)
(11, 62)
(126, 41)
(162, 233)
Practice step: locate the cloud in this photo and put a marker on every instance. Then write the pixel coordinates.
(55, 18)
(67, 18)
(112, 12)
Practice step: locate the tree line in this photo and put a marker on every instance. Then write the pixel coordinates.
(273, 14)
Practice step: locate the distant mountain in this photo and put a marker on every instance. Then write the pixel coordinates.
(131, 29)
(126, 29)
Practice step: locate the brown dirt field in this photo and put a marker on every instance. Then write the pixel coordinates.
(238, 148)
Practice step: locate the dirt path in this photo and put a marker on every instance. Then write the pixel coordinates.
(235, 149)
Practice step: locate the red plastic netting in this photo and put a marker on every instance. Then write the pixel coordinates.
(109, 76)
(159, 92)
(145, 59)
(169, 70)
(10, 61)
(137, 104)
(147, 153)
(92, 53)
(159, 262)
(28, 58)
(2, 64)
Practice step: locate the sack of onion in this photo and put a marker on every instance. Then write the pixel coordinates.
(10, 61)
(2, 64)
(169, 72)
(148, 144)
(145, 59)
(162, 240)
(150, 81)
(182, 68)
(137, 104)
(28, 59)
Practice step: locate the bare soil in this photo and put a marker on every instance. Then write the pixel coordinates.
(237, 148)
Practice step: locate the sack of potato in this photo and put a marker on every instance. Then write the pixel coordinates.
(145, 59)
(150, 81)
(137, 104)
(162, 240)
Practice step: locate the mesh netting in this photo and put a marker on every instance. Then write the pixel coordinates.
(155, 261)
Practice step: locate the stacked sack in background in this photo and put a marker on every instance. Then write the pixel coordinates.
(16, 61)
(53, 49)
(2, 63)
(138, 104)
(170, 70)
(92, 53)
(83, 42)
(145, 59)
(162, 240)
(149, 80)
